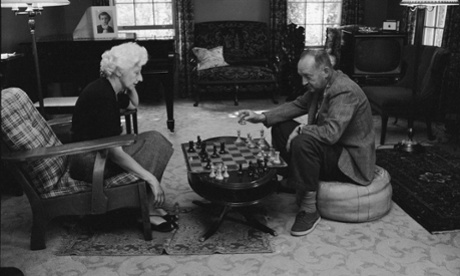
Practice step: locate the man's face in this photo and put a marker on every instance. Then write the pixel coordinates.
(104, 19)
(316, 78)
(130, 77)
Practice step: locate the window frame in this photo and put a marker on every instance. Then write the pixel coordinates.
(435, 30)
(153, 27)
(323, 24)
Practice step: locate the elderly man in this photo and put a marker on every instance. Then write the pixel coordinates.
(337, 144)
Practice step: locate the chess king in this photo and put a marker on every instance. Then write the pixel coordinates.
(337, 144)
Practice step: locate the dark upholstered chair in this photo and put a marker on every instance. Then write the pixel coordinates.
(397, 100)
(245, 49)
(40, 163)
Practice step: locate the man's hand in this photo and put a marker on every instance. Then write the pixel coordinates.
(293, 134)
(247, 115)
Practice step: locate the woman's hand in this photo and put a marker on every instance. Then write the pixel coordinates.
(157, 192)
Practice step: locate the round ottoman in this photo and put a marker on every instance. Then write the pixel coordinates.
(356, 203)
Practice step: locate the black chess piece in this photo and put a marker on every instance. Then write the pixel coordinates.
(222, 148)
(240, 169)
(198, 142)
(208, 165)
(250, 169)
(203, 150)
(191, 147)
(214, 154)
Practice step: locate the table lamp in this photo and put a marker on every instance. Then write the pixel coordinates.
(32, 8)
(411, 145)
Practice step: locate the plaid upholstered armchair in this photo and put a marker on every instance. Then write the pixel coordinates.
(233, 57)
(40, 163)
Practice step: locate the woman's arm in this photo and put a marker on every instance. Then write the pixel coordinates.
(133, 98)
(126, 162)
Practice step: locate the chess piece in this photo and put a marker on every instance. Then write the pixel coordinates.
(213, 171)
(214, 154)
(240, 169)
(203, 151)
(208, 165)
(238, 138)
(222, 148)
(262, 143)
(198, 142)
(250, 169)
(225, 174)
(219, 175)
(191, 147)
(250, 142)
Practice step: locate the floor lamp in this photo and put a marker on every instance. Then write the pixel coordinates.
(418, 5)
(32, 8)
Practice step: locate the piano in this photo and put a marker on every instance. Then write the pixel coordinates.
(74, 64)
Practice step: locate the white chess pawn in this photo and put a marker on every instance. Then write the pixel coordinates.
(219, 175)
(213, 171)
(238, 138)
(225, 175)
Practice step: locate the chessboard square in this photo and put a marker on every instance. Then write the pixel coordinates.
(240, 162)
(244, 150)
(195, 165)
(249, 157)
(235, 155)
(232, 148)
(232, 167)
(227, 159)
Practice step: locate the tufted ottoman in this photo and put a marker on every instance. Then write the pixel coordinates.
(355, 203)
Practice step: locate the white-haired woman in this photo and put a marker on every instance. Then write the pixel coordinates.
(97, 115)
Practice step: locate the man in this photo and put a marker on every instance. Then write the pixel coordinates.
(337, 144)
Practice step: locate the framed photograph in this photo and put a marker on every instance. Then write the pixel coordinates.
(104, 22)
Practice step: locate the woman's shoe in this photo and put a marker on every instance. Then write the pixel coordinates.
(162, 227)
(171, 218)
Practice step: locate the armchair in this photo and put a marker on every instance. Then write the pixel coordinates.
(397, 100)
(40, 163)
(245, 65)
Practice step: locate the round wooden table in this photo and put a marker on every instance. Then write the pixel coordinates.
(237, 193)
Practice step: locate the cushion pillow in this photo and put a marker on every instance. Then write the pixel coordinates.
(209, 58)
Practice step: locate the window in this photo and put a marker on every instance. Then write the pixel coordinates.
(315, 16)
(149, 19)
(434, 25)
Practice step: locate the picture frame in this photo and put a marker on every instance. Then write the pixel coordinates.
(104, 20)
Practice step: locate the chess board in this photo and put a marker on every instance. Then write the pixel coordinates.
(235, 155)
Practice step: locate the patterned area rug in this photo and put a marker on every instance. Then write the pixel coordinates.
(426, 185)
(114, 235)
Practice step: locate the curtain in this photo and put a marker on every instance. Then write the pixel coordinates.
(352, 12)
(451, 96)
(184, 17)
(409, 20)
(278, 22)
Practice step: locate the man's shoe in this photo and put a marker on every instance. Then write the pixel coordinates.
(304, 223)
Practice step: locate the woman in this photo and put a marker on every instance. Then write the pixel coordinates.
(97, 115)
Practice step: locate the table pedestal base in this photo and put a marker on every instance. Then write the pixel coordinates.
(250, 220)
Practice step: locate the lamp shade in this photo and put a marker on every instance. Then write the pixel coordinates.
(38, 3)
(428, 2)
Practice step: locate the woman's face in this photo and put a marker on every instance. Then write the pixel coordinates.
(130, 77)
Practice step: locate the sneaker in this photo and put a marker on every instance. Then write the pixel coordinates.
(304, 223)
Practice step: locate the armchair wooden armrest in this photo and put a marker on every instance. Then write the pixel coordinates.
(69, 149)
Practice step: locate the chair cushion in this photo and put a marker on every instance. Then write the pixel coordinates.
(388, 96)
(209, 58)
(355, 203)
(234, 74)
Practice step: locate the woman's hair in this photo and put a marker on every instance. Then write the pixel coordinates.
(106, 14)
(123, 57)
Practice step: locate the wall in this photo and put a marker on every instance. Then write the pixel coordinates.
(219, 10)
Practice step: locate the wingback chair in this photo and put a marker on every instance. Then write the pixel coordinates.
(40, 163)
(398, 100)
(233, 57)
